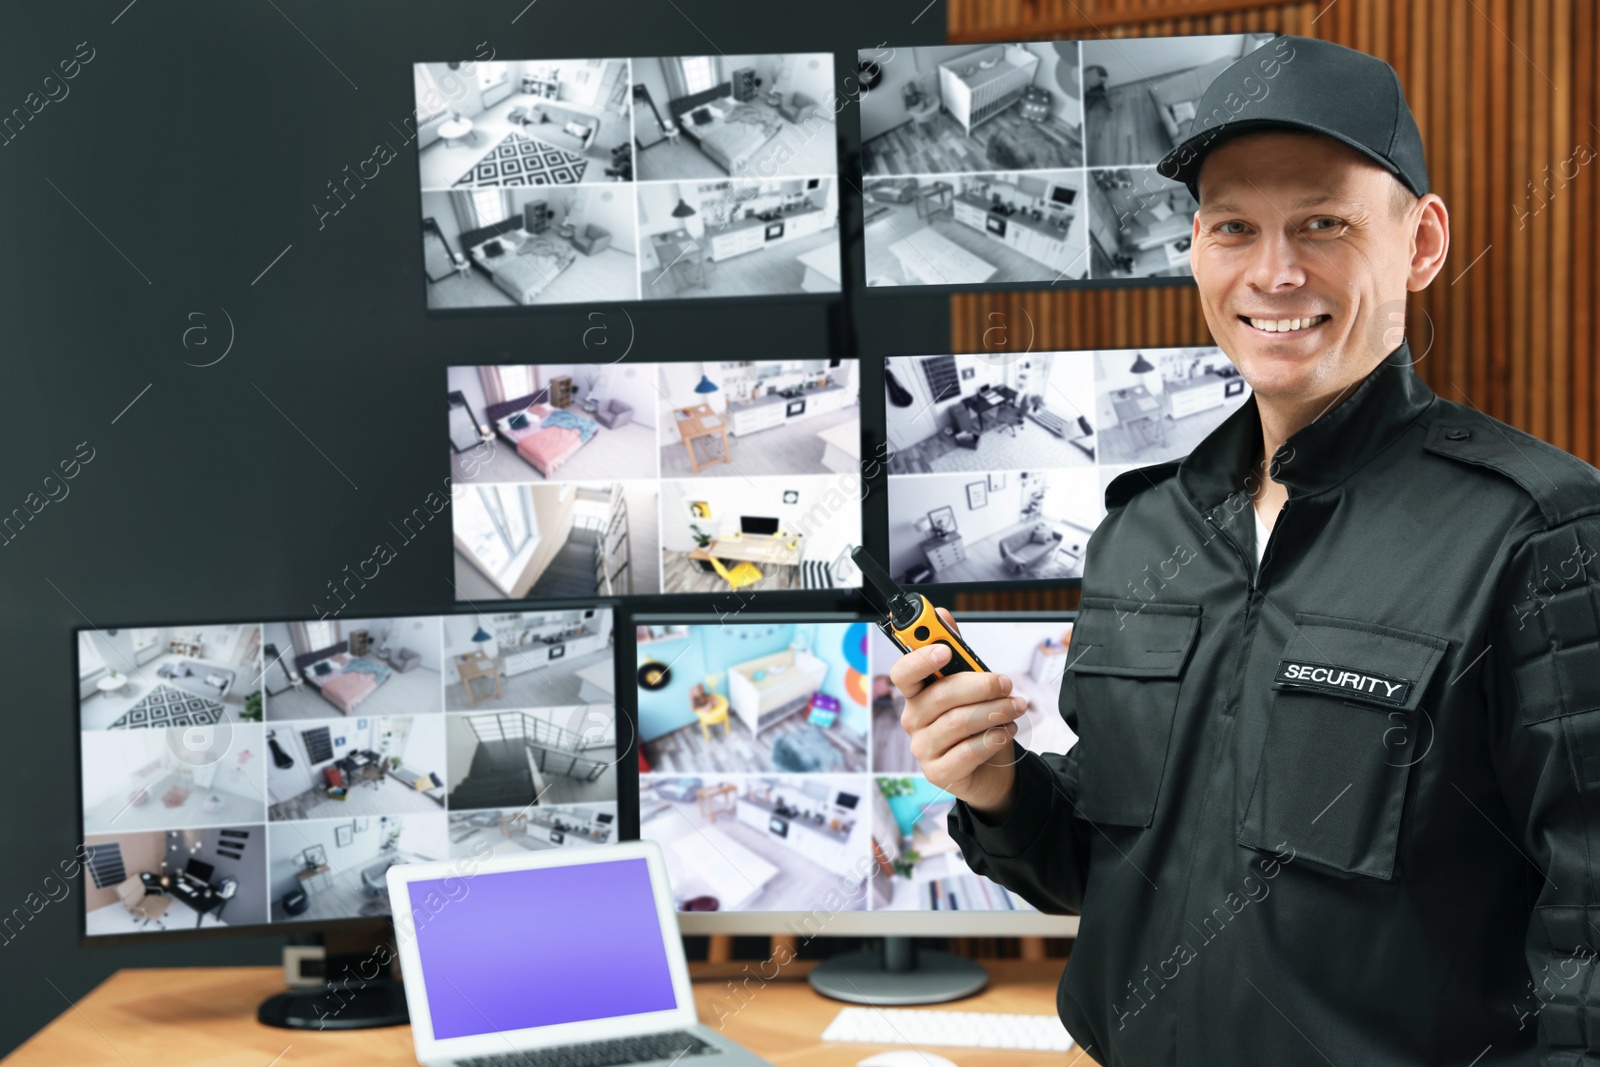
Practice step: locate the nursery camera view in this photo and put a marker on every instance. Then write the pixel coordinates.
(774, 769)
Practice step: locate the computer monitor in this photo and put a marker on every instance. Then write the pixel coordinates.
(1129, 223)
(776, 777)
(264, 775)
(1001, 461)
(552, 165)
(670, 456)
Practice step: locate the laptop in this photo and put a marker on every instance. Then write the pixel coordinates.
(569, 957)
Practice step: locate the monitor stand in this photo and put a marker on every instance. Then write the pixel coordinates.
(898, 973)
(359, 994)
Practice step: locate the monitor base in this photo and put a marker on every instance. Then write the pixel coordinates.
(337, 1006)
(898, 974)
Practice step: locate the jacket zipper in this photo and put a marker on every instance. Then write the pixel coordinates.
(1272, 535)
(1244, 557)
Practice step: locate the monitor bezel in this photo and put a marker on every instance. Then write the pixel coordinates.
(820, 922)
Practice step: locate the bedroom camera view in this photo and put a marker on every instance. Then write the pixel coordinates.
(381, 666)
(583, 480)
(998, 464)
(1031, 162)
(773, 767)
(347, 746)
(550, 182)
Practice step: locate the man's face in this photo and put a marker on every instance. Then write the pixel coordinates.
(1298, 226)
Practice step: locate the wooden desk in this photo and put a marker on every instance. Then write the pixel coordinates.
(477, 665)
(755, 548)
(717, 799)
(1139, 409)
(178, 1017)
(681, 256)
(988, 402)
(935, 199)
(703, 422)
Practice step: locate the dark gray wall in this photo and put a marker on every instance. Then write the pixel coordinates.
(184, 157)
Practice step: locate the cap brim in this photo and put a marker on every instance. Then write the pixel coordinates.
(1182, 164)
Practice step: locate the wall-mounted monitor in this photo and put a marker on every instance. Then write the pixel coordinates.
(635, 479)
(594, 180)
(998, 463)
(1032, 163)
(235, 775)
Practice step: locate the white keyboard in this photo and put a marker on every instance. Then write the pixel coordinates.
(964, 1029)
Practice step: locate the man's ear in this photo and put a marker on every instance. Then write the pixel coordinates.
(1430, 242)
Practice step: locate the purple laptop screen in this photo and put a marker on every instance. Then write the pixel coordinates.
(515, 949)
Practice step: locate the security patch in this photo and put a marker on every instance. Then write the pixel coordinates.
(1327, 678)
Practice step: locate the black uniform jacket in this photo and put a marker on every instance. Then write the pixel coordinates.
(1346, 810)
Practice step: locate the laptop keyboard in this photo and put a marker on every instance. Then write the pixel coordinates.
(623, 1050)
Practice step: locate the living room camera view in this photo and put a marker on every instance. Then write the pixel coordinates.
(385, 740)
(999, 463)
(160, 676)
(1031, 162)
(774, 770)
(583, 480)
(598, 180)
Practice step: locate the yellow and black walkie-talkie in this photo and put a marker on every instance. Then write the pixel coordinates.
(910, 621)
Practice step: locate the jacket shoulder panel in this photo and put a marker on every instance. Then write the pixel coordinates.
(1563, 486)
(1129, 484)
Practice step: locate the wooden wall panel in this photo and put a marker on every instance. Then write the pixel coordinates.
(1506, 96)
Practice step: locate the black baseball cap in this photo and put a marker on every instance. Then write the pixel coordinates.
(1306, 84)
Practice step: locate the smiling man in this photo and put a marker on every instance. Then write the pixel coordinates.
(1336, 673)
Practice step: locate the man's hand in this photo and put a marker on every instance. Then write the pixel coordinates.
(961, 728)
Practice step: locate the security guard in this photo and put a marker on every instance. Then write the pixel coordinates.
(1336, 794)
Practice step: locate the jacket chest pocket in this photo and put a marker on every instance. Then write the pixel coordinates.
(1128, 659)
(1344, 727)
